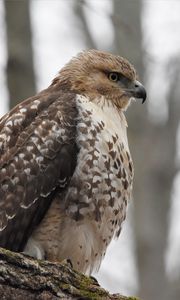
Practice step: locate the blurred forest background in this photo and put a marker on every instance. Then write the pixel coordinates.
(37, 37)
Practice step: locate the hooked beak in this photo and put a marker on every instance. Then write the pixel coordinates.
(139, 91)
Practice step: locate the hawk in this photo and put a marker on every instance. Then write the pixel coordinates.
(66, 172)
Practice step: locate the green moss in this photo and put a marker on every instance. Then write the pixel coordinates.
(88, 288)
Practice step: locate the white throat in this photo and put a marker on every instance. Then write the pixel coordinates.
(102, 109)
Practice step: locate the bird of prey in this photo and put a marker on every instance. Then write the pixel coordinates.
(66, 172)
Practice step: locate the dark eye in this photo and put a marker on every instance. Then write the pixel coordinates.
(113, 76)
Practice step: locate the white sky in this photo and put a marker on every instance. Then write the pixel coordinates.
(56, 39)
(161, 23)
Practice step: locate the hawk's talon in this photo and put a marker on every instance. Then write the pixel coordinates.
(68, 263)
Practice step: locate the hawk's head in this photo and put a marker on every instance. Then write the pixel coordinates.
(95, 73)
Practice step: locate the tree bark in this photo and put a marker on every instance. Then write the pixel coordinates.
(22, 277)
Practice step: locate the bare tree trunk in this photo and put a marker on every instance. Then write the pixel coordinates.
(128, 36)
(20, 73)
(78, 7)
(22, 277)
(170, 134)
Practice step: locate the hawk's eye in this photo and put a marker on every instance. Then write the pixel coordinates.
(113, 76)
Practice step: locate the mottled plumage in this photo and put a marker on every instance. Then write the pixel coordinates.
(65, 168)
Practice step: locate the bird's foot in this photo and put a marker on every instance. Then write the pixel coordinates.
(68, 262)
(95, 280)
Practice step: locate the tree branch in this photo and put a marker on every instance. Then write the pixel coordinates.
(22, 277)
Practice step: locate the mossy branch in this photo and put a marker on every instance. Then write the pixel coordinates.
(22, 277)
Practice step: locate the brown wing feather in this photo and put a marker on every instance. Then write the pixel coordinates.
(37, 159)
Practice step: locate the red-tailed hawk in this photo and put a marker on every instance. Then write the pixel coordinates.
(65, 168)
